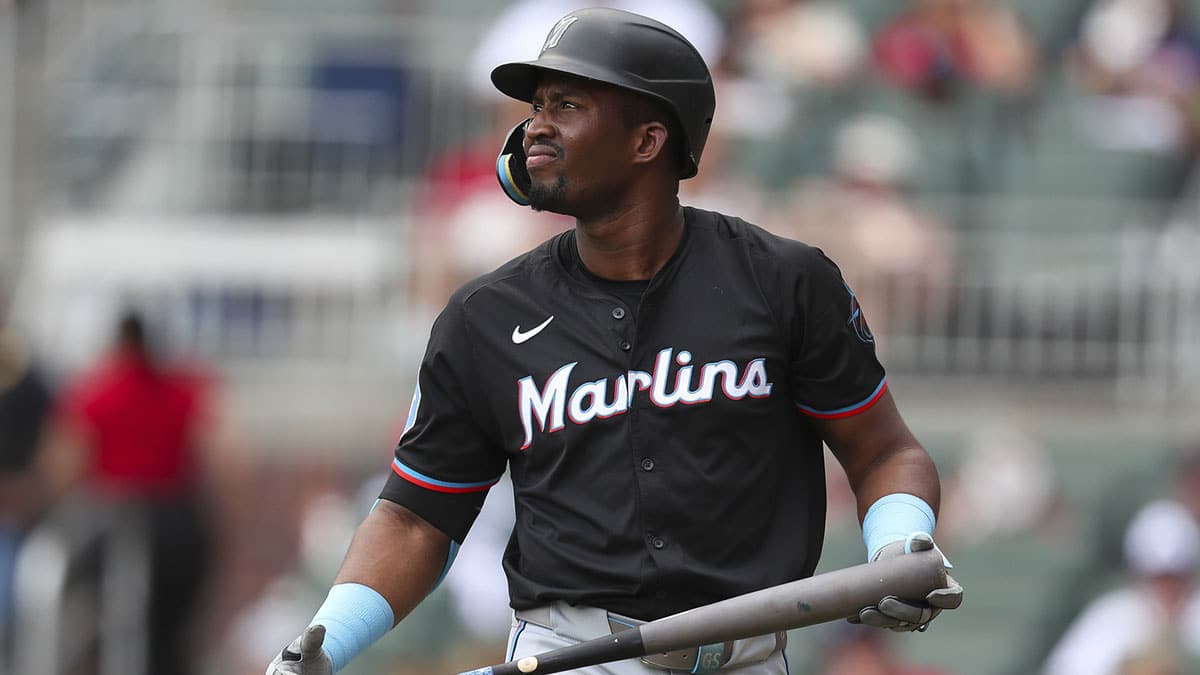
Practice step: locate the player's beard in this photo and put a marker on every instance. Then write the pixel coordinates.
(549, 196)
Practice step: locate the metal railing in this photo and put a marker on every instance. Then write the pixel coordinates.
(1101, 311)
(1107, 314)
(179, 108)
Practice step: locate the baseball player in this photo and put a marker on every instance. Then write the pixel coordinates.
(658, 381)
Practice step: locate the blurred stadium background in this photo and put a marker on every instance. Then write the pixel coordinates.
(289, 190)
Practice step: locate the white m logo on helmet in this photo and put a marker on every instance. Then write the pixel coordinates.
(556, 33)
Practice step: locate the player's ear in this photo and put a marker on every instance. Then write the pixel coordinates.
(650, 141)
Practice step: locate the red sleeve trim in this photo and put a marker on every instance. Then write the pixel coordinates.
(850, 410)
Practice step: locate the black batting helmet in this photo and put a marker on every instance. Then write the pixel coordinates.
(629, 51)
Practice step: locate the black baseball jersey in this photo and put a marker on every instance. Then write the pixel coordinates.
(661, 453)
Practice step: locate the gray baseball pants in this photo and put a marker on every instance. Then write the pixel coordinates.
(558, 625)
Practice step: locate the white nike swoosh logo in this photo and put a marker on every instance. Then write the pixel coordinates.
(518, 337)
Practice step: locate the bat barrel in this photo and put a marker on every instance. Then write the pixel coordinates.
(806, 602)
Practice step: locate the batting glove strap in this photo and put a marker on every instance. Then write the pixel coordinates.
(895, 614)
(917, 541)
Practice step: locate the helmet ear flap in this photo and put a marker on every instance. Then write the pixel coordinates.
(510, 165)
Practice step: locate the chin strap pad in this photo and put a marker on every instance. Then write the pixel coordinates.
(510, 166)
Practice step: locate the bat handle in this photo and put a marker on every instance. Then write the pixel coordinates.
(626, 644)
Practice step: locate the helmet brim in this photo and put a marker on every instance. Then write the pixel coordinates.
(520, 79)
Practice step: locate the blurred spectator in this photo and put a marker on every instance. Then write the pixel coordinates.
(720, 185)
(1158, 606)
(1156, 660)
(482, 231)
(1142, 58)
(327, 521)
(935, 48)
(899, 258)
(453, 630)
(131, 432)
(788, 73)
(1102, 563)
(25, 402)
(800, 43)
(1185, 478)
(1177, 479)
(1004, 486)
(863, 650)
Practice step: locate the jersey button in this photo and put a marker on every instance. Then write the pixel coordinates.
(618, 313)
(647, 464)
(658, 543)
(625, 346)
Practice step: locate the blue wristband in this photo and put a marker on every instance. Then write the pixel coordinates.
(354, 616)
(893, 518)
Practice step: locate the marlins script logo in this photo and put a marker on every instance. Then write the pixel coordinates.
(548, 408)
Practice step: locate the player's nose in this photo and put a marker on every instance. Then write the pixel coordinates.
(538, 128)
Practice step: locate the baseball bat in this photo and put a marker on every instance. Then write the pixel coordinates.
(807, 602)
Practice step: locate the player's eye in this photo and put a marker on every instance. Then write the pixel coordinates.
(569, 105)
(536, 107)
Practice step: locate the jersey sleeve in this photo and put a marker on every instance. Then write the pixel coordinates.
(834, 369)
(445, 461)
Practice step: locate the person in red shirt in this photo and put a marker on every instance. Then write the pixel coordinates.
(128, 433)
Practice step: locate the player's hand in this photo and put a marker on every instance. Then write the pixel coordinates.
(304, 656)
(896, 614)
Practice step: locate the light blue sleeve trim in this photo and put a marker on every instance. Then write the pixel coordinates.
(409, 473)
(354, 616)
(450, 556)
(893, 518)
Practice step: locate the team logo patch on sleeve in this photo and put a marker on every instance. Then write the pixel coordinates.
(412, 409)
(858, 320)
